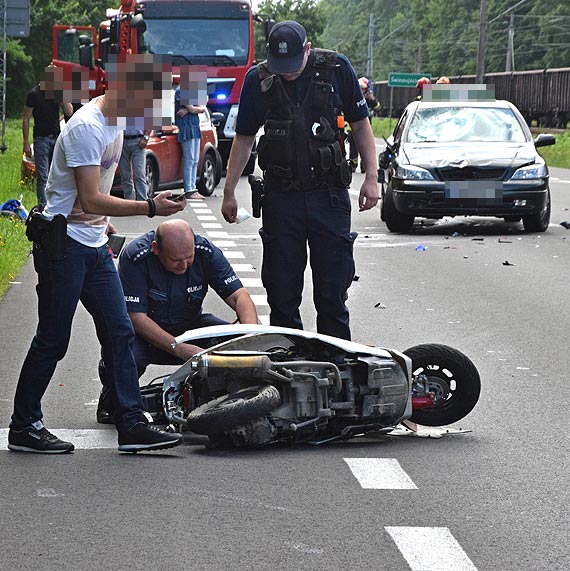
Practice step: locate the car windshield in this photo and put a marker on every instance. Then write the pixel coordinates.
(465, 124)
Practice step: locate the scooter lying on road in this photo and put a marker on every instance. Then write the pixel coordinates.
(262, 384)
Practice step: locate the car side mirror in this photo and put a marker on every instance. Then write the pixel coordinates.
(385, 158)
(217, 118)
(544, 140)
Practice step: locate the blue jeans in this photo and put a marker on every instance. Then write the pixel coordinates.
(88, 275)
(43, 154)
(133, 164)
(321, 219)
(190, 156)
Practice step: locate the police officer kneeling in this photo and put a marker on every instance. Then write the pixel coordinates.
(302, 96)
(165, 276)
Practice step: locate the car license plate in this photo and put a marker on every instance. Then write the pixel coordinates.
(485, 190)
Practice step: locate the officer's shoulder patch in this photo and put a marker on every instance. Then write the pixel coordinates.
(202, 246)
(139, 254)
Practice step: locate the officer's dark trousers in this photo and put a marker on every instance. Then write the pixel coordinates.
(321, 219)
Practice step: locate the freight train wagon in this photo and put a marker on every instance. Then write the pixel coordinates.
(542, 96)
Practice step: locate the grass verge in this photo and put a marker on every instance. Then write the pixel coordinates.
(14, 246)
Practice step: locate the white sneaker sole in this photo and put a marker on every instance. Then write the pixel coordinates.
(17, 448)
(134, 448)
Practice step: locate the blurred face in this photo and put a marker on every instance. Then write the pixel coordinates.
(176, 256)
(139, 92)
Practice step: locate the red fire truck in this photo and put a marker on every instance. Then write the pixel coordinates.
(217, 34)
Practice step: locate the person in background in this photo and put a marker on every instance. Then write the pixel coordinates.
(165, 277)
(188, 121)
(299, 95)
(43, 103)
(133, 164)
(422, 81)
(373, 107)
(443, 79)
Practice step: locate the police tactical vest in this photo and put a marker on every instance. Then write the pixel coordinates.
(302, 146)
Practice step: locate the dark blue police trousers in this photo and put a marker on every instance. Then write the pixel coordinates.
(291, 221)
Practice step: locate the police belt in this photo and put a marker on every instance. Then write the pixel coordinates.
(326, 183)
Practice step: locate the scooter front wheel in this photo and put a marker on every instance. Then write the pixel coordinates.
(451, 376)
(233, 410)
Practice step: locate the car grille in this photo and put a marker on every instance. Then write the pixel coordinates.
(471, 173)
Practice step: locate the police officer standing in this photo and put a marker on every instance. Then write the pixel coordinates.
(300, 95)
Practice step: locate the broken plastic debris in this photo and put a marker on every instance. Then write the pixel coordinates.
(565, 224)
(420, 248)
(355, 278)
(501, 241)
(478, 239)
(507, 263)
(455, 234)
(380, 305)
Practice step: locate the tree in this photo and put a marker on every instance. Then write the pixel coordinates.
(309, 13)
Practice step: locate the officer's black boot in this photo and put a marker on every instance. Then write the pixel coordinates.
(106, 406)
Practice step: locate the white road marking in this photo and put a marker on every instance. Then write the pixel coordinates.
(48, 493)
(83, 439)
(211, 225)
(259, 299)
(380, 474)
(264, 319)
(218, 235)
(204, 217)
(243, 267)
(304, 548)
(224, 243)
(251, 282)
(234, 255)
(430, 549)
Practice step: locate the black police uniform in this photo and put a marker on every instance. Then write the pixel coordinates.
(306, 182)
(172, 301)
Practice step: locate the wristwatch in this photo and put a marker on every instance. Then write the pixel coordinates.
(146, 138)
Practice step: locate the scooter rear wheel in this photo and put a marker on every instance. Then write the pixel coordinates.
(453, 378)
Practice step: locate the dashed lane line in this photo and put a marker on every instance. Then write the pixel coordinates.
(223, 240)
(380, 474)
(430, 549)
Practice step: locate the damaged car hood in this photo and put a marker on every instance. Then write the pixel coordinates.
(430, 155)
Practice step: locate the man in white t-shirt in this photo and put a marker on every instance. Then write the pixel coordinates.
(74, 264)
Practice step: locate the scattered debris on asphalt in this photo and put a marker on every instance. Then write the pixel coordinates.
(565, 224)
(420, 248)
(507, 263)
(380, 305)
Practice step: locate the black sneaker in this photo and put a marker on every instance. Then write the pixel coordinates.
(36, 438)
(143, 436)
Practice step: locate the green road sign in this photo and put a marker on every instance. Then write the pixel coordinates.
(405, 79)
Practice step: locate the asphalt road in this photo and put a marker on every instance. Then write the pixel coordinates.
(492, 499)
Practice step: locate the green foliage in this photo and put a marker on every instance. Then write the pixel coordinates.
(309, 13)
(27, 57)
(441, 38)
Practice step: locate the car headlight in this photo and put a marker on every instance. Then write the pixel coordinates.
(530, 172)
(410, 172)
